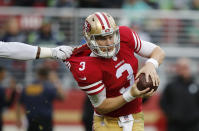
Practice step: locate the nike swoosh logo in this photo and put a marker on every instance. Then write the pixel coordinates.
(83, 78)
(61, 50)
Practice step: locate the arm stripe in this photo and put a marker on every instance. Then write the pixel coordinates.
(90, 86)
(93, 88)
(96, 90)
(139, 42)
(135, 41)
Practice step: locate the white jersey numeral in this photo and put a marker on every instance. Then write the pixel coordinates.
(82, 64)
(129, 69)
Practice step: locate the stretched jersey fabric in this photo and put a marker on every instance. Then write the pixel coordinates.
(116, 74)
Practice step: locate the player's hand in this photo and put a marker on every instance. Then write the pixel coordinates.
(62, 52)
(137, 93)
(149, 70)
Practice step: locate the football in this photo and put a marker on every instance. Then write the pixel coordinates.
(142, 84)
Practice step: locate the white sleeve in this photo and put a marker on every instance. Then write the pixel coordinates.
(143, 48)
(146, 49)
(97, 99)
(96, 92)
(17, 50)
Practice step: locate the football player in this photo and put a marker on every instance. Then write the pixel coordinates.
(106, 69)
(21, 51)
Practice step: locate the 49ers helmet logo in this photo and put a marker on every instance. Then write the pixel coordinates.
(87, 26)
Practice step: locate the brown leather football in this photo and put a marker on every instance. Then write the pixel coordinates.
(142, 84)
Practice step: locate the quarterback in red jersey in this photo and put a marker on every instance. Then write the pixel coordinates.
(106, 69)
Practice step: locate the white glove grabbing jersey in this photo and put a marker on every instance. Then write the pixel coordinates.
(62, 52)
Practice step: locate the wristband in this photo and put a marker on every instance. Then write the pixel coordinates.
(45, 53)
(153, 61)
(127, 96)
(38, 52)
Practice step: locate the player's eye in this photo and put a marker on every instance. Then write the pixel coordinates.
(110, 37)
(100, 38)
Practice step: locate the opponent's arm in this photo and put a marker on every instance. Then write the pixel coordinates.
(21, 51)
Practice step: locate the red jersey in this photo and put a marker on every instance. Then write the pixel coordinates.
(93, 74)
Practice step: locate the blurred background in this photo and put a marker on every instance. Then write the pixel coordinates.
(171, 24)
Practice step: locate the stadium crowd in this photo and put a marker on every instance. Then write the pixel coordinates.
(134, 4)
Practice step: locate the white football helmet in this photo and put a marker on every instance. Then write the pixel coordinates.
(101, 24)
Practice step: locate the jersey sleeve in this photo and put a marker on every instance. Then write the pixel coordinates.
(146, 49)
(142, 48)
(17, 50)
(88, 77)
(137, 42)
(130, 37)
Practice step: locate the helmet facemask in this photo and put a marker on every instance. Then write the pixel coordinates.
(107, 51)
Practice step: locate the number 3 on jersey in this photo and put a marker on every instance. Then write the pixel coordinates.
(126, 67)
(82, 64)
